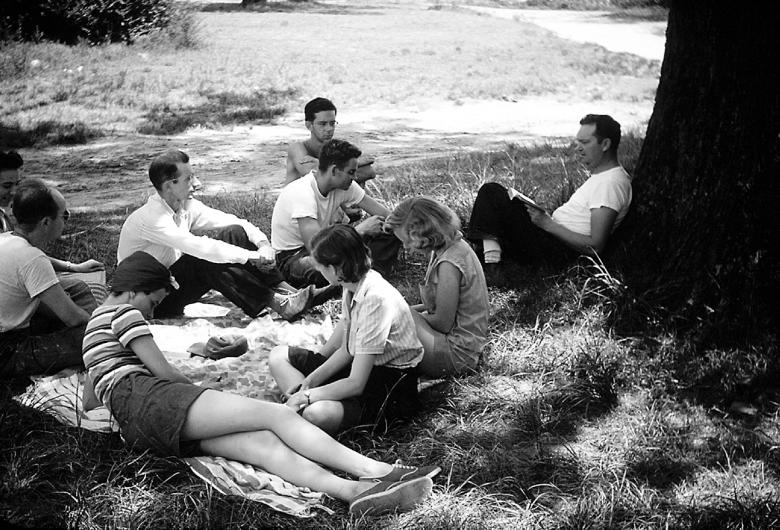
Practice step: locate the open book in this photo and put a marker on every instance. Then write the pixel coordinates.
(514, 194)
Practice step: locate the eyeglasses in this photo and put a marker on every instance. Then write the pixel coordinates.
(325, 123)
(66, 215)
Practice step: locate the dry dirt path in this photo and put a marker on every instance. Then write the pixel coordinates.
(112, 172)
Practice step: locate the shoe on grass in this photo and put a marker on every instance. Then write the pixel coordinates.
(290, 306)
(386, 497)
(401, 472)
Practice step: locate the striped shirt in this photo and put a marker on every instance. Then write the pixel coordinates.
(106, 350)
(379, 322)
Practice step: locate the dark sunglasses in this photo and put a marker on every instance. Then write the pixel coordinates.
(66, 215)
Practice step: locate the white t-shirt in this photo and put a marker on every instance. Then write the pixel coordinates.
(27, 272)
(610, 188)
(300, 199)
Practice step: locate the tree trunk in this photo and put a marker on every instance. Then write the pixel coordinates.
(706, 182)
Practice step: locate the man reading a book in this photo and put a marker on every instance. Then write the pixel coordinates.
(508, 227)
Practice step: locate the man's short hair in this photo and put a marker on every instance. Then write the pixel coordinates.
(317, 105)
(606, 127)
(164, 166)
(32, 202)
(10, 160)
(338, 153)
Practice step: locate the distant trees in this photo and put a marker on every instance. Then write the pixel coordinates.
(92, 21)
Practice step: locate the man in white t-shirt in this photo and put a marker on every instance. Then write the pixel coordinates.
(41, 327)
(583, 225)
(315, 201)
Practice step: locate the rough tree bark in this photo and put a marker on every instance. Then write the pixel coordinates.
(706, 182)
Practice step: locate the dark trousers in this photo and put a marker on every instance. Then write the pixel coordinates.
(495, 216)
(244, 285)
(46, 346)
(299, 271)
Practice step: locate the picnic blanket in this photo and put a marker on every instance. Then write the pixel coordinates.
(248, 375)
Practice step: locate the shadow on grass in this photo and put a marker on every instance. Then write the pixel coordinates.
(221, 108)
(49, 132)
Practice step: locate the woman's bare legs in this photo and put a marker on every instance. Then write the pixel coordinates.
(216, 414)
(264, 449)
(284, 373)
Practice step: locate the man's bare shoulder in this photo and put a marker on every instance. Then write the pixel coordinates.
(296, 149)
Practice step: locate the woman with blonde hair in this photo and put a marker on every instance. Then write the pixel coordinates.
(452, 319)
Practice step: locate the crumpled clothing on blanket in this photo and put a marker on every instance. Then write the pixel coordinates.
(248, 375)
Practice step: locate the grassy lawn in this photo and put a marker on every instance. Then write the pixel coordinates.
(571, 421)
(253, 66)
(567, 424)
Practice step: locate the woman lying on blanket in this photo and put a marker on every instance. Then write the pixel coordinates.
(158, 408)
(365, 368)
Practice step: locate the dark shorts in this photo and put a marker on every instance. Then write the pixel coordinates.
(389, 394)
(151, 413)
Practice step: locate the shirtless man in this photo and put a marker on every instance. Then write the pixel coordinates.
(302, 157)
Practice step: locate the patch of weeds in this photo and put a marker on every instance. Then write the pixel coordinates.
(183, 31)
(221, 108)
(49, 132)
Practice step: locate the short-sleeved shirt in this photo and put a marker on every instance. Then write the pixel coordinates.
(302, 199)
(106, 348)
(379, 322)
(26, 273)
(611, 188)
(469, 330)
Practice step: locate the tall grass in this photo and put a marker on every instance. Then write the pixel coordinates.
(566, 423)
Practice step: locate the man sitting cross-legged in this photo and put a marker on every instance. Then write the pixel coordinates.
(583, 225)
(313, 202)
(41, 326)
(238, 261)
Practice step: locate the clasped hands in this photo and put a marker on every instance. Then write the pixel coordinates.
(295, 397)
(264, 258)
(371, 225)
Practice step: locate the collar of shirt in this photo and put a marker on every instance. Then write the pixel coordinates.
(5, 222)
(180, 218)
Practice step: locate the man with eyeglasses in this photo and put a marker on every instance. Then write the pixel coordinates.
(236, 259)
(41, 325)
(302, 157)
(71, 275)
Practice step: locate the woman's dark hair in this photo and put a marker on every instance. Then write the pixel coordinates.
(341, 246)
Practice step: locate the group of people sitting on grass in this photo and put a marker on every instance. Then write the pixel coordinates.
(174, 249)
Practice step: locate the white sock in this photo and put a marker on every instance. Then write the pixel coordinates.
(492, 251)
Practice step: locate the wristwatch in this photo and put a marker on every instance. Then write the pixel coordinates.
(307, 393)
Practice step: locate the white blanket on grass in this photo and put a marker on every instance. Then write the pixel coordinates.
(248, 375)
